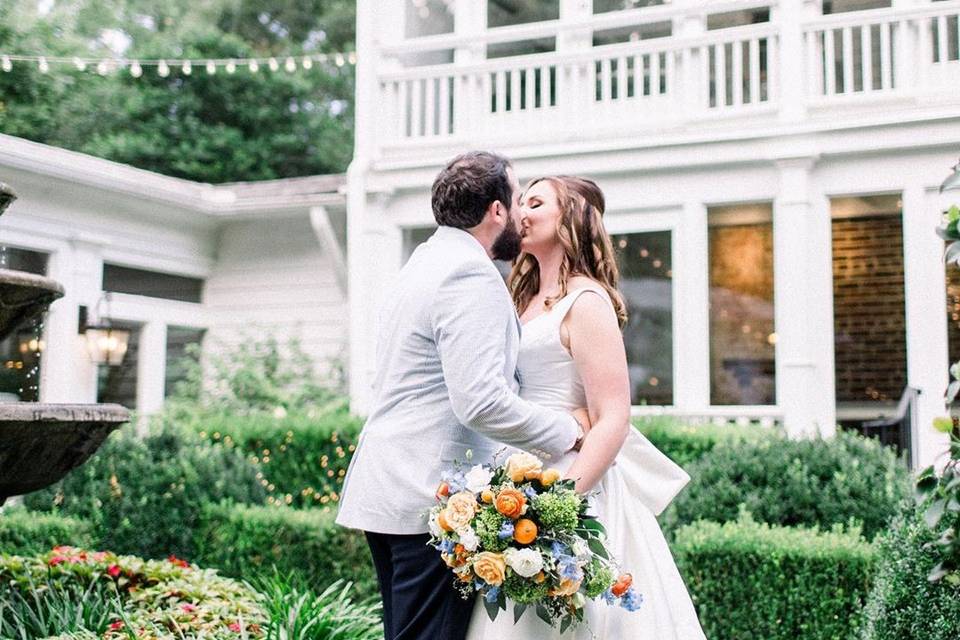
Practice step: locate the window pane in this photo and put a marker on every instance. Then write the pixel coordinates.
(870, 344)
(178, 360)
(20, 351)
(604, 6)
(646, 281)
(503, 13)
(119, 384)
(742, 338)
(428, 18)
(151, 283)
(413, 237)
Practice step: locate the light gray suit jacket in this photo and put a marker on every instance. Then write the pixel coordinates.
(445, 383)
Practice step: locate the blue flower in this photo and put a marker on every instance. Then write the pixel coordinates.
(491, 596)
(608, 597)
(531, 493)
(570, 570)
(631, 600)
(506, 531)
(455, 479)
(447, 546)
(558, 549)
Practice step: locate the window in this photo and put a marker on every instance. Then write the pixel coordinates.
(179, 357)
(742, 336)
(139, 282)
(505, 13)
(20, 352)
(413, 237)
(119, 384)
(869, 309)
(605, 6)
(646, 281)
(428, 18)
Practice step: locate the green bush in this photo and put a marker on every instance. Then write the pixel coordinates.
(751, 581)
(904, 605)
(26, 533)
(143, 496)
(687, 443)
(796, 482)
(306, 545)
(303, 457)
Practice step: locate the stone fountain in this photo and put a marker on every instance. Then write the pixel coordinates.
(40, 443)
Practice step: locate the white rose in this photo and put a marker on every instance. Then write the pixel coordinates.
(478, 479)
(435, 530)
(580, 548)
(469, 539)
(526, 563)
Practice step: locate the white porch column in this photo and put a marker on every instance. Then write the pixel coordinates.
(925, 293)
(469, 21)
(801, 305)
(691, 317)
(789, 91)
(151, 368)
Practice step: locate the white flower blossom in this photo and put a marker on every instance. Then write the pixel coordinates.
(435, 530)
(525, 562)
(469, 539)
(478, 479)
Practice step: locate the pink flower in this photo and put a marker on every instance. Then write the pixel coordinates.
(189, 608)
(113, 571)
(62, 549)
(100, 556)
(116, 625)
(234, 626)
(55, 560)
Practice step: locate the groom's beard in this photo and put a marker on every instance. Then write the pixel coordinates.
(507, 245)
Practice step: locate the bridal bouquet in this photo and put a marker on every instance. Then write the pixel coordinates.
(518, 531)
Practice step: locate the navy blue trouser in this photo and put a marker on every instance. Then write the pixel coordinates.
(419, 601)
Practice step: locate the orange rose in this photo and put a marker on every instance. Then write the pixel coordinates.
(523, 466)
(490, 567)
(511, 503)
(567, 588)
(460, 509)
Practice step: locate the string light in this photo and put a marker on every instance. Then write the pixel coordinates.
(139, 67)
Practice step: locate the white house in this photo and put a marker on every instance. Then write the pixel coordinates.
(181, 262)
(771, 171)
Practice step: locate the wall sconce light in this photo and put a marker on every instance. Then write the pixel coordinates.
(106, 344)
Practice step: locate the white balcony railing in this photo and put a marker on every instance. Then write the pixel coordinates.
(658, 83)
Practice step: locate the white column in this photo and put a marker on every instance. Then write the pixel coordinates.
(804, 381)
(789, 15)
(925, 292)
(691, 313)
(469, 21)
(151, 367)
(692, 93)
(63, 346)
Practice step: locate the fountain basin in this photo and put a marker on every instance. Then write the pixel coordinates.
(24, 296)
(41, 443)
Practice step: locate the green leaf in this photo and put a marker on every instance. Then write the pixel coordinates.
(565, 624)
(597, 547)
(952, 253)
(952, 391)
(518, 610)
(934, 513)
(953, 213)
(492, 608)
(543, 614)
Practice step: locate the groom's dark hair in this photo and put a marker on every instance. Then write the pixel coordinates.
(466, 187)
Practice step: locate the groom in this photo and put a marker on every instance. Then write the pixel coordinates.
(445, 385)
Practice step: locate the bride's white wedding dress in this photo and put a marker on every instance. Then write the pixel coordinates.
(548, 377)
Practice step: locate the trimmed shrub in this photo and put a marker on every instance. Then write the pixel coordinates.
(303, 457)
(751, 581)
(904, 605)
(144, 496)
(306, 545)
(843, 480)
(26, 533)
(688, 443)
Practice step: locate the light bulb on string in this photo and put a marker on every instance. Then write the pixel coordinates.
(352, 57)
(274, 65)
(254, 66)
(211, 68)
(231, 66)
(102, 68)
(135, 69)
(290, 65)
(307, 62)
(5, 63)
(42, 65)
(162, 69)
(81, 65)
(187, 68)
(338, 59)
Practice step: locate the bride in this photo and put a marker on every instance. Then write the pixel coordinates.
(572, 355)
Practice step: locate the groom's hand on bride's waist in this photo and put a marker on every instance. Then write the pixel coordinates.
(582, 416)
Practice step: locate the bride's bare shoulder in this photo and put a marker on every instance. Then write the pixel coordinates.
(581, 282)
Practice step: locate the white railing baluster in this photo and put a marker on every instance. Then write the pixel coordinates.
(530, 89)
(773, 69)
(943, 37)
(406, 128)
(445, 105)
(830, 63)
(814, 69)
(487, 84)
(545, 86)
(705, 77)
(621, 78)
(670, 73)
(886, 68)
(430, 111)
(866, 56)
(515, 92)
(737, 68)
(849, 85)
(754, 78)
(721, 60)
(501, 91)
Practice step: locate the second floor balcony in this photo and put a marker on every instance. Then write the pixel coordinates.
(786, 65)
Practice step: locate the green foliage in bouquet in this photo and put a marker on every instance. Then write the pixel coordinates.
(685, 443)
(23, 532)
(904, 604)
(796, 483)
(306, 545)
(753, 581)
(144, 496)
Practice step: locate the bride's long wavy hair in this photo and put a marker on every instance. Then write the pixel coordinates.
(587, 248)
